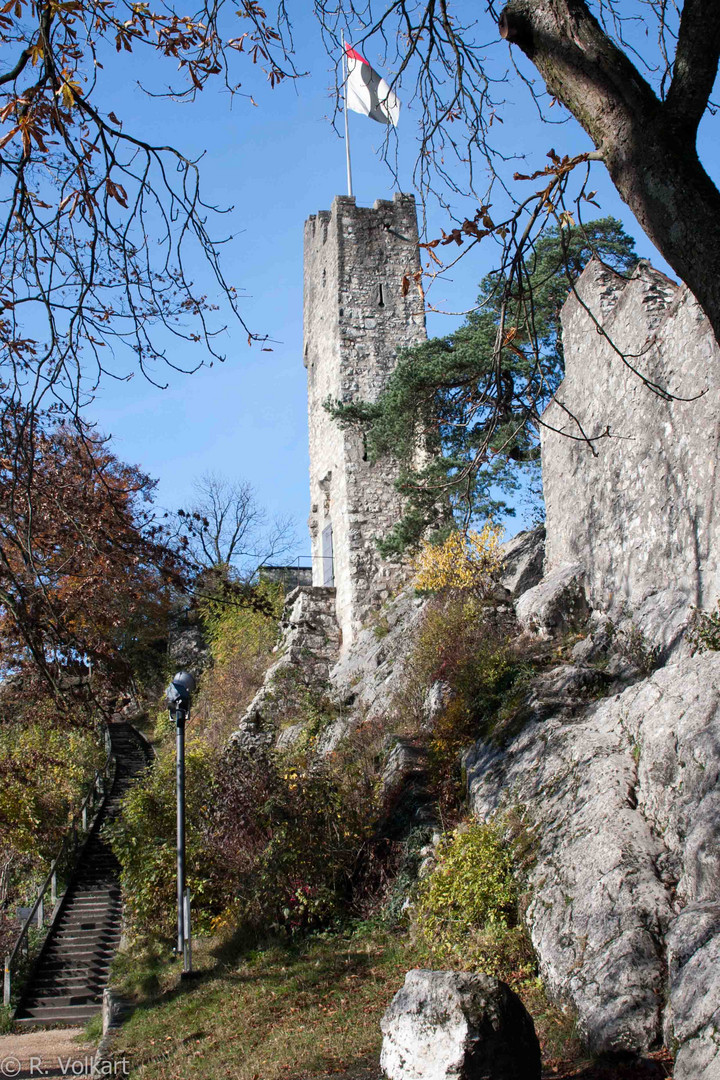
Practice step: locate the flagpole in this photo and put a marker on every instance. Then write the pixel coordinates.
(347, 126)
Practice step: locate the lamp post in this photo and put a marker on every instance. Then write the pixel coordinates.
(178, 698)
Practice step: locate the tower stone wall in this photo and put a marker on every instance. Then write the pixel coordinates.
(356, 318)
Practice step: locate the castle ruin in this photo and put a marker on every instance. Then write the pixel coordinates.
(356, 316)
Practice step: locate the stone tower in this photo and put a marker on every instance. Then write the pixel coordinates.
(356, 318)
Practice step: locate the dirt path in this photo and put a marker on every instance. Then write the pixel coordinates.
(45, 1054)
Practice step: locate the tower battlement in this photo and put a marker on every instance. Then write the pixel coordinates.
(356, 319)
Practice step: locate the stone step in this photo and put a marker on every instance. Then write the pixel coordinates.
(74, 965)
(87, 931)
(89, 972)
(69, 986)
(63, 1001)
(75, 913)
(80, 951)
(92, 939)
(95, 898)
(65, 1015)
(80, 924)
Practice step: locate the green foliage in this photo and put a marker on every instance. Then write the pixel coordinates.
(467, 906)
(93, 1029)
(242, 636)
(704, 632)
(144, 842)
(43, 775)
(45, 772)
(478, 423)
(237, 628)
(471, 886)
(136, 972)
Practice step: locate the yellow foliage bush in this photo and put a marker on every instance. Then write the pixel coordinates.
(241, 640)
(467, 907)
(43, 776)
(465, 560)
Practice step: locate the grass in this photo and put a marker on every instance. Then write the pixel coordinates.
(92, 1032)
(285, 1011)
(306, 1011)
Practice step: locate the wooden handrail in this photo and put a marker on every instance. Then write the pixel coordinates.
(50, 881)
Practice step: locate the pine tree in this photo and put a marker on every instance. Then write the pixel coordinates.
(473, 408)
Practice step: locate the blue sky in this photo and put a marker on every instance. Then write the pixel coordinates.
(275, 163)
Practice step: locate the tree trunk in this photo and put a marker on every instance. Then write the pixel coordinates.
(647, 145)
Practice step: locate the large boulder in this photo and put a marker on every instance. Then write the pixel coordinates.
(448, 1025)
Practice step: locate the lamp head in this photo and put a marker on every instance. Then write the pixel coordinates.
(178, 692)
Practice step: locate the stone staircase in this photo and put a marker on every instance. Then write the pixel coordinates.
(68, 979)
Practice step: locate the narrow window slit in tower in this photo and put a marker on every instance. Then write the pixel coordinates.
(381, 297)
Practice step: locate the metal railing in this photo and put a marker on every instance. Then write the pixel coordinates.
(82, 822)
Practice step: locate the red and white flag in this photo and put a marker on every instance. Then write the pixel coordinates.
(367, 92)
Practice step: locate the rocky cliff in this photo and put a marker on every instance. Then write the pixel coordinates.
(614, 762)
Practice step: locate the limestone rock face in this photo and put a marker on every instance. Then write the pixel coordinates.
(693, 1018)
(308, 647)
(624, 801)
(523, 557)
(447, 1025)
(369, 674)
(639, 507)
(556, 603)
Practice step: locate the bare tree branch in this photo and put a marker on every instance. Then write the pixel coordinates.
(226, 528)
(695, 67)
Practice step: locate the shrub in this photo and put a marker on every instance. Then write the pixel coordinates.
(242, 638)
(143, 839)
(271, 842)
(291, 837)
(472, 886)
(467, 906)
(465, 560)
(704, 632)
(43, 774)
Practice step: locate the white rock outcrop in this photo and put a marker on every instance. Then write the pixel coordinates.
(448, 1025)
(624, 804)
(638, 503)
